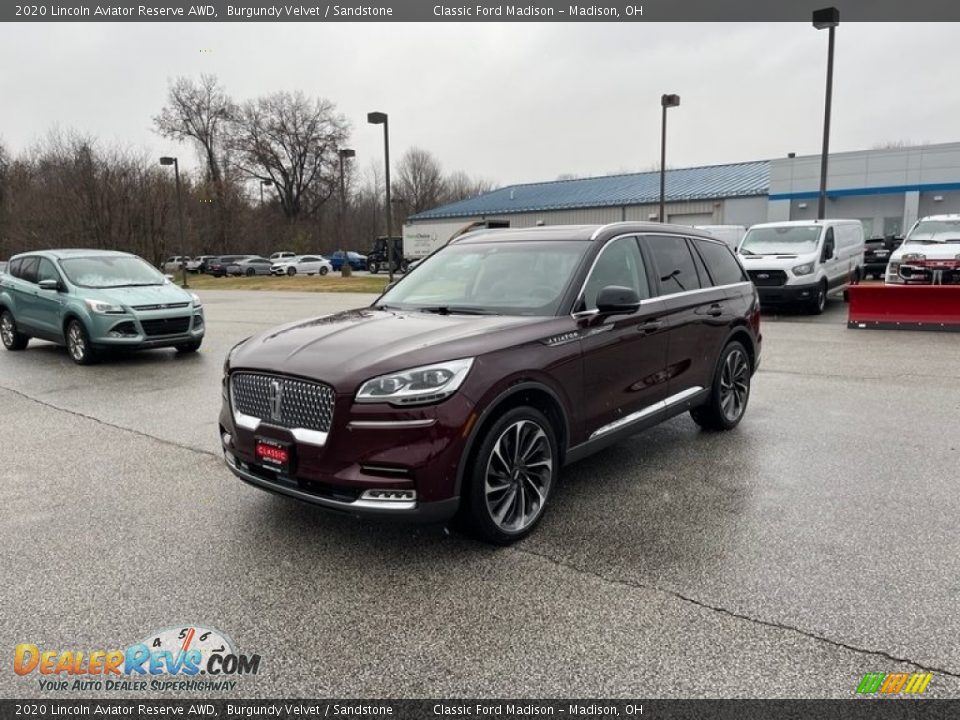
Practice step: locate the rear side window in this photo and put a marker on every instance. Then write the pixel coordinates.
(674, 264)
(28, 269)
(722, 266)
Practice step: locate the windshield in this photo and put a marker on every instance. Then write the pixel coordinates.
(110, 272)
(501, 278)
(928, 231)
(784, 240)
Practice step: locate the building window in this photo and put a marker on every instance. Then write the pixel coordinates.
(892, 226)
(867, 227)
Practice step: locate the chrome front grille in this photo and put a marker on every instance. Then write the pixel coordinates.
(283, 401)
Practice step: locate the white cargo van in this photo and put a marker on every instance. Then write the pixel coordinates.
(730, 234)
(801, 261)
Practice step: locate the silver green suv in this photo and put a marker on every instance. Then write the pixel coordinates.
(93, 300)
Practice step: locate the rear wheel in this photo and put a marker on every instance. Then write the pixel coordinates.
(730, 392)
(404, 266)
(324, 270)
(78, 344)
(514, 473)
(373, 267)
(291, 271)
(12, 338)
(251, 272)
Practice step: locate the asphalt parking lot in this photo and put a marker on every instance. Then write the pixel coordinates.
(815, 543)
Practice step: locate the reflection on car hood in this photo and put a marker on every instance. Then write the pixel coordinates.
(362, 343)
(131, 296)
(932, 251)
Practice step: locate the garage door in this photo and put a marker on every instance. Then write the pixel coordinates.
(691, 219)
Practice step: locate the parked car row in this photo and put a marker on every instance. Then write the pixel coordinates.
(279, 263)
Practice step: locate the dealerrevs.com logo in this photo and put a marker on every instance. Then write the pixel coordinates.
(188, 658)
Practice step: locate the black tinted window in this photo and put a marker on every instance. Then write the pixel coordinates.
(14, 268)
(723, 267)
(674, 264)
(28, 270)
(620, 263)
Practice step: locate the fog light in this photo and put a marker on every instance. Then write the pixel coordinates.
(389, 495)
(226, 439)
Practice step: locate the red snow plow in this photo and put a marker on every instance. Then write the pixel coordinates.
(904, 307)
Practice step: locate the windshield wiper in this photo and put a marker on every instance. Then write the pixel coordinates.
(108, 287)
(456, 310)
(744, 251)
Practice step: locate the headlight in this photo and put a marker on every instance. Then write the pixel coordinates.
(197, 302)
(913, 257)
(424, 384)
(103, 308)
(804, 269)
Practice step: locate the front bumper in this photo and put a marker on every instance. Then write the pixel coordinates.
(411, 453)
(130, 331)
(787, 294)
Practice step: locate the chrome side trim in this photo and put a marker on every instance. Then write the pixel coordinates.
(646, 412)
(389, 424)
(309, 437)
(389, 506)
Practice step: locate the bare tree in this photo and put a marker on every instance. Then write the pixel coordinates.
(201, 112)
(419, 181)
(292, 141)
(460, 186)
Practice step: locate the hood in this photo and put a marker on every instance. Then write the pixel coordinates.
(346, 348)
(932, 251)
(133, 296)
(783, 261)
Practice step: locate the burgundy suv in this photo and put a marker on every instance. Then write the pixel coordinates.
(501, 358)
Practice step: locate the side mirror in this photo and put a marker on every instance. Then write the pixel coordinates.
(618, 300)
(53, 285)
(168, 278)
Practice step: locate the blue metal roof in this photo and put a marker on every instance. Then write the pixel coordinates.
(698, 183)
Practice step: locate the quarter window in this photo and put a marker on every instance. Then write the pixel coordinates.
(722, 266)
(674, 264)
(620, 263)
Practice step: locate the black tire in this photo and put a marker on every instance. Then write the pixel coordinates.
(251, 272)
(528, 428)
(819, 303)
(404, 267)
(730, 391)
(291, 271)
(323, 270)
(190, 347)
(373, 267)
(13, 339)
(78, 344)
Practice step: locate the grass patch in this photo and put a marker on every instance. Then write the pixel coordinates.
(331, 282)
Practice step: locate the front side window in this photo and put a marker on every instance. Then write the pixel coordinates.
(110, 272)
(674, 264)
(46, 271)
(620, 264)
(503, 278)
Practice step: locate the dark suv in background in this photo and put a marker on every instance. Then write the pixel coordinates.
(469, 384)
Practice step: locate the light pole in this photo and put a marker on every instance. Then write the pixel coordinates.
(343, 154)
(666, 101)
(380, 118)
(176, 173)
(263, 184)
(826, 18)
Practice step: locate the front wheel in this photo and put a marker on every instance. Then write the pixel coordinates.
(251, 272)
(324, 270)
(78, 344)
(819, 303)
(404, 267)
(12, 338)
(291, 271)
(373, 267)
(514, 473)
(730, 392)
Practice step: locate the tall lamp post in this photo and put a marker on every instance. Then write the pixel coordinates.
(380, 118)
(827, 18)
(263, 184)
(343, 154)
(176, 173)
(666, 101)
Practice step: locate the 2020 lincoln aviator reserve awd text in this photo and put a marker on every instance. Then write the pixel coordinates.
(503, 356)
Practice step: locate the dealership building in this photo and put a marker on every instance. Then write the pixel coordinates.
(886, 189)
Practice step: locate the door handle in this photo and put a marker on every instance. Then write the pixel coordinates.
(714, 310)
(651, 326)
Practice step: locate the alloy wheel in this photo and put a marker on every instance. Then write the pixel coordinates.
(75, 342)
(7, 329)
(518, 475)
(734, 385)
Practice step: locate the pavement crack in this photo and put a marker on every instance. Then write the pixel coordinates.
(97, 420)
(741, 616)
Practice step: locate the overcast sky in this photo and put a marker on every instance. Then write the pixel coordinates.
(508, 102)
